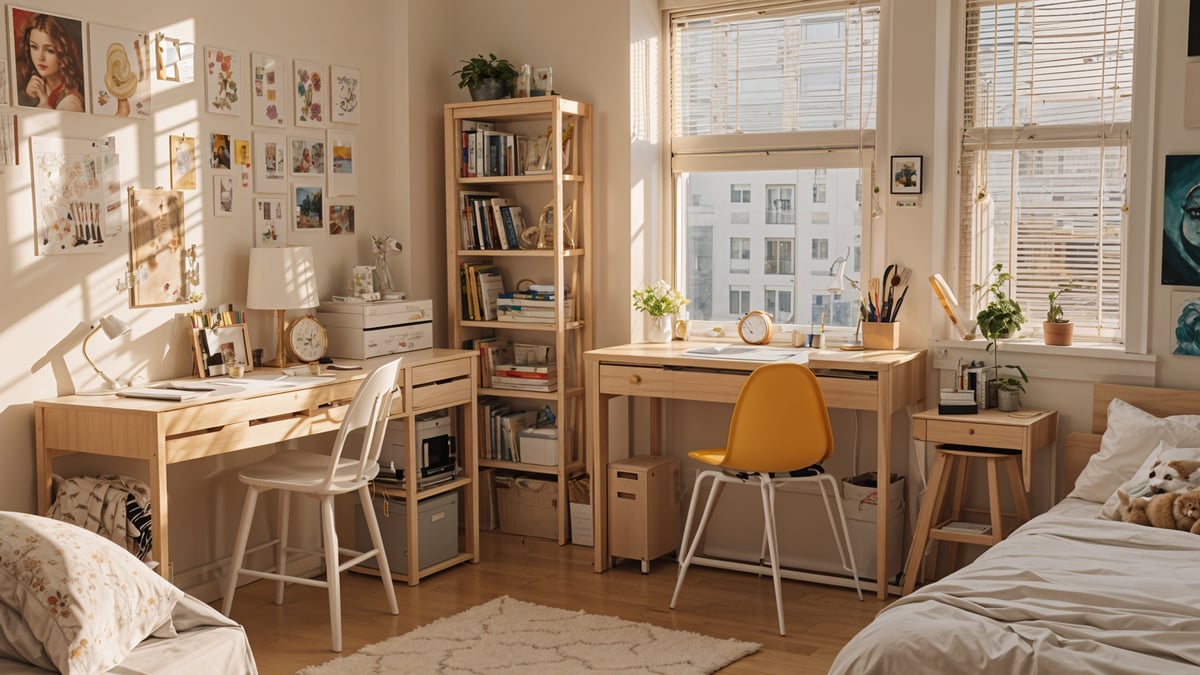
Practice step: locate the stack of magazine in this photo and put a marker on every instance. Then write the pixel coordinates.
(957, 402)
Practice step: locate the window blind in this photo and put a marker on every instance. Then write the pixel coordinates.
(1047, 93)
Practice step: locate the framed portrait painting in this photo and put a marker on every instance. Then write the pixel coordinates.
(156, 247)
(58, 83)
(345, 94)
(906, 174)
(311, 94)
(121, 72)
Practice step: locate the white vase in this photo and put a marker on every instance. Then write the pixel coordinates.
(658, 328)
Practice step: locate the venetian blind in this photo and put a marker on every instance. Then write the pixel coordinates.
(1047, 93)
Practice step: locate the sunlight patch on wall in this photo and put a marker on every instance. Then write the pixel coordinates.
(644, 87)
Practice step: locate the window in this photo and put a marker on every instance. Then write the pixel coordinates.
(1050, 207)
(769, 101)
(739, 255)
(779, 258)
(820, 249)
(779, 205)
(778, 303)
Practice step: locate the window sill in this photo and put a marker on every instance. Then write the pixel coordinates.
(1082, 361)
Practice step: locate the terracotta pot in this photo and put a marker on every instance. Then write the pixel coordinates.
(1058, 333)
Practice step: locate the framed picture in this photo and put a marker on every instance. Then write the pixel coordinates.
(268, 93)
(341, 219)
(270, 163)
(308, 206)
(222, 81)
(345, 94)
(270, 222)
(120, 72)
(156, 248)
(343, 170)
(219, 151)
(217, 348)
(1181, 216)
(311, 94)
(906, 174)
(223, 196)
(76, 195)
(306, 156)
(61, 85)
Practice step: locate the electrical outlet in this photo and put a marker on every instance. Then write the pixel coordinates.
(942, 360)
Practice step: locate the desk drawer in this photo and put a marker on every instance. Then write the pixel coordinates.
(973, 433)
(444, 370)
(441, 394)
(635, 381)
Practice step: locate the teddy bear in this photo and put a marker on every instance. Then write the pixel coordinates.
(1169, 510)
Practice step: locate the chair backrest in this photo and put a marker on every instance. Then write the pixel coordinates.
(780, 421)
(369, 411)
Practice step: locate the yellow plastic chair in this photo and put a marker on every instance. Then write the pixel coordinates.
(324, 477)
(780, 425)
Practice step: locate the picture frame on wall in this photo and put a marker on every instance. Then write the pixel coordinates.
(344, 90)
(34, 90)
(270, 163)
(308, 206)
(343, 169)
(120, 71)
(270, 222)
(906, 175)
(311, 94)
(306, 156)
(341, 219)
(268, 90)
(223, 81)
(156, 248)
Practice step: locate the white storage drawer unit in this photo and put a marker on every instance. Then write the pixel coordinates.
(361, 330)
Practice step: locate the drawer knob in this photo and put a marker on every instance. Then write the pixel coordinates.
(634, 379)
(970, 432)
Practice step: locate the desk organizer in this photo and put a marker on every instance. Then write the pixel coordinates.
(876, 335)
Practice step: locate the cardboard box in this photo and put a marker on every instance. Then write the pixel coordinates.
(437, 533)
(539, 446)
(527, 506)
(368, 329)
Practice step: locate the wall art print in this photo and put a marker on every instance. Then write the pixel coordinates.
(223, 196)
(1185, 307)
(308, 206)
(270, 163)
(156, 252)
(341, 219)
(183, 163)
(343, 170)
(4, 82)
(59, 80)
(1181, 221)
(306, 155)
(219, 151)
(345, 107)
(121, 72)
(311, 94)
(270, 222)
(268, 90)
(222, 81)
(73, 182)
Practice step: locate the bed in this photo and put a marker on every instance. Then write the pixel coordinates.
(72, 601)
(1072, 590)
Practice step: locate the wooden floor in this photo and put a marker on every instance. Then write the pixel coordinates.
(820, 619)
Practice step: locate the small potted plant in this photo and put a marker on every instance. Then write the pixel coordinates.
(1002, 317)
(659, 302)
(1009, 388)
(1058, 329)
(487, 78)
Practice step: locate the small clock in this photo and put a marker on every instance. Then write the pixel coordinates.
(756, 327)
(306, 339)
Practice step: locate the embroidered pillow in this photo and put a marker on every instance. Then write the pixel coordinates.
(88, 601)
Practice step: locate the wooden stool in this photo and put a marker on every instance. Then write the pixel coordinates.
(935, 497)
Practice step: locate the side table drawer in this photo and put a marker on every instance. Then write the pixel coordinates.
(973, 433)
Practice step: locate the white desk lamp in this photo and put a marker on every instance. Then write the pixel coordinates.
(837, 286)
(281, 279)
(113, 328)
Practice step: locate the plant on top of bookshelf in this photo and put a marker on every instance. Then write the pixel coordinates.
(486, 78)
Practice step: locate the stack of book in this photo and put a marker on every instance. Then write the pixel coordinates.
(957, 402)
(540, 377)
(531, 307)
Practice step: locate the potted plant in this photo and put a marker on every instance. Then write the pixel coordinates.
(1009, 388)
(1002, 317)
(1057, 329)
(487, 78)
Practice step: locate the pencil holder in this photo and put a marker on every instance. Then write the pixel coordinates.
(876, 335)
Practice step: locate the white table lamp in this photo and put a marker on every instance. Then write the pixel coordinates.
(113, 328)
(837, 285)
(281, 279)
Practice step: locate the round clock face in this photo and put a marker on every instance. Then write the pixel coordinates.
(307, 339)
(756, 328)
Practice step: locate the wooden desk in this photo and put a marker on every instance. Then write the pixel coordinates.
(161, 433)
(879, 381)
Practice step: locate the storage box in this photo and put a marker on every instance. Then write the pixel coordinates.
(527, 506)
(437, 533)
(363, 330)
(643, 508)
(876, 335)
(581, 524)
(539, 446)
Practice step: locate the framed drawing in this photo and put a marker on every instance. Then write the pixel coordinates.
(270, 163)
(311, 94)
(306, 156)
(60, 84)
(215, 349)
(906, 174)
(120, 71)
(341, 219)
(223, 196)
(268, 93)
(343, 170)
(345, 94)
(270, 223)
(222, 81)
(156, 248)
(73, 199)
(183, 163)
(308, 206)
(219, 152)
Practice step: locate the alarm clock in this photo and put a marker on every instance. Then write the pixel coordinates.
(306, 339)
(756, 327)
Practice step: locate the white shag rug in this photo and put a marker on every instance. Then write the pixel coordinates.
(511, 636)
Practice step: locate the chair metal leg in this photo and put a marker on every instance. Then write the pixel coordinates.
(689, 548)
(847, 554)
(332, 577)
(285, 511)
(767, 489)
(239, 548)
(385, 572)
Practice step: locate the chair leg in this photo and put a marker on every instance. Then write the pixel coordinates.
(912, 568)
(239, 548)
(847, 552)
(688, 549)
(385, 572)
(332, 578)
(767, 489)
(993, 479)
(1018, 490)
(285, 511)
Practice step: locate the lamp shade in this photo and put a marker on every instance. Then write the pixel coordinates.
(114, 327)
(282, 278)
(838, 275)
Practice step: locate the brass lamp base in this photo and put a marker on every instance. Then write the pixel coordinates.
(280, 348)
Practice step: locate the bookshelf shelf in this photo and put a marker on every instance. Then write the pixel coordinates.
(483, 213)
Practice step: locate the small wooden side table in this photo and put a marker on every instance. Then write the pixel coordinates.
(994, 436)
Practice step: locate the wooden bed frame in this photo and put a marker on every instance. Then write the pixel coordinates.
(1079, 446)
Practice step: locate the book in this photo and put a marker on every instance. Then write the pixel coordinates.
(505, 375)
(969, 528)
(947, 395)
(167, 392)
(524, 384)
(491, 285)
(958, 408)
(512, 235)
(533, 369)
(511, 426)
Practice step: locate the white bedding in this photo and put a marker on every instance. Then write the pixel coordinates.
(1066, 593)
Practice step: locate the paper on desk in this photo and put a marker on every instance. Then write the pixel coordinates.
(740, 353)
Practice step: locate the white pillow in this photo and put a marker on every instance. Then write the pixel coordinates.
(1138, 485)
(88, 601)
(1131, 435)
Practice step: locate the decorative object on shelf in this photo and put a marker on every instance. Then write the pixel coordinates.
(113, 328)
(838, 279)
(486, 78)
(945, 296)
(281, 279)
(1057, 329)
(543, 81)
(524, 81)
(906, 175)
(362, 281)
(546, 227)
(383, 273)
(218, 347)
(1009, 388)
(659, 302)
